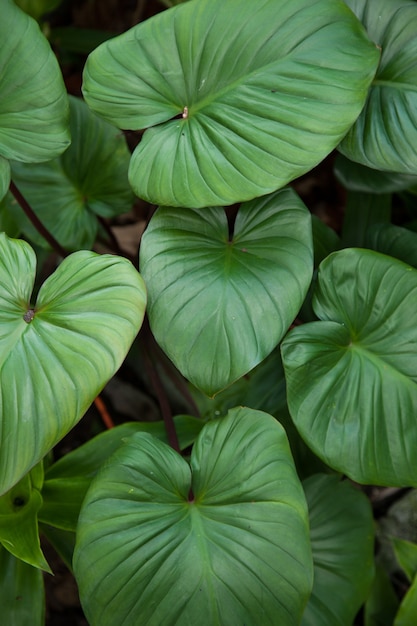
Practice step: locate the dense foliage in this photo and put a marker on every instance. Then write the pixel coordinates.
(291, 348)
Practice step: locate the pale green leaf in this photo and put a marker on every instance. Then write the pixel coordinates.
(58, 352)
(34, 103)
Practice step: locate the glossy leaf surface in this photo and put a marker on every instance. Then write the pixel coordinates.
(238, 98)
(67, 481)
(34, 103)
(218, 306)
(342, 541)
(385, 135)
(88, 180)
(58, 353)
(352, 384)
(22, 596)
(238, 552)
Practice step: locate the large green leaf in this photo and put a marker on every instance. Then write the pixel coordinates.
(19, 522)
(352, 378)
(385, 135)
(342, 541)
(236, 551)
(87, 180)
(22, 597)
(67, 481)
(58, 353)
(218, 306)
(241, 97)
(34, 104)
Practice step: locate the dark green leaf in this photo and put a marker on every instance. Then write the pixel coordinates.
(394, 241)
(87, 180)
(342, 541)
(382, 603)
(357, 177)
(22, 597)
(67, 481)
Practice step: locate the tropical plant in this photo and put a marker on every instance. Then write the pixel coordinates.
(292, 347)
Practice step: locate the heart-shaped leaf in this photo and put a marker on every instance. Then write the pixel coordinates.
(58, 353)
(67, 480)
(236, 552)
(242, 97)
(342, 541)
(88, 180)
(385, 135)
(34, 103)
(352, 378)
(218, 306)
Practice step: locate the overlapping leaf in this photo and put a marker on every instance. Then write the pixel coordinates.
(218, 306)
(58, 353)
(357, 177)
(241, 97)
(342, 541)
(19, 522)
(34, 104)
(236, 552)
(22, 597)
(352, 383)
(88, 180)
(67, 481)
(385, 135)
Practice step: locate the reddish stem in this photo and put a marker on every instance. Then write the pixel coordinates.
(55, 245)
